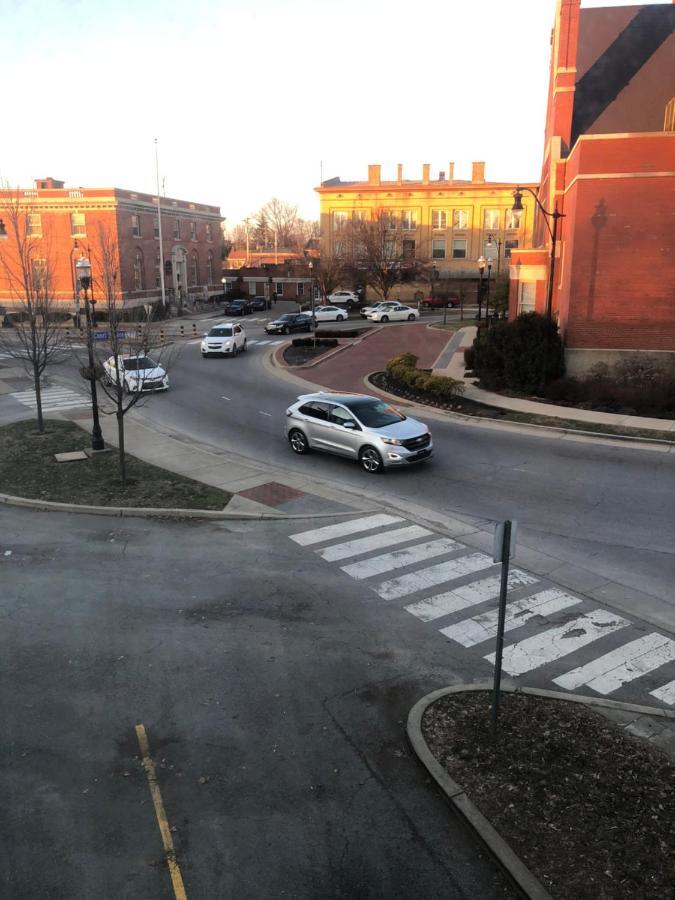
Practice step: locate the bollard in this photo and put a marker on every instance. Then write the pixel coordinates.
(182, 330)
(194, 329)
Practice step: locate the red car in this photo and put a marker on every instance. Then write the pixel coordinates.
(450, 300)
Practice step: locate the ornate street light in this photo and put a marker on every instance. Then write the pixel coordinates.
(492, 240)
(83, 268)
(553, 231)
(481, 271)
(310, 266)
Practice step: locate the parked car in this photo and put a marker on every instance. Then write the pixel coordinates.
(329, 314)
(225, 338)
(436, 302)
(359, 427)
(237, 308)
(290, 322)
(343, 297)
(258, 303)
(137, 373)
(367, 310)
(394, 314)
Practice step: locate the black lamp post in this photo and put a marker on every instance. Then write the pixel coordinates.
(553, 231)
(310, 266)
(487, 297)
(83, 267)
(481, 271)
(492, 240)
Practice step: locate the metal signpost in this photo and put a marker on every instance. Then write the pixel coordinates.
(504, 550)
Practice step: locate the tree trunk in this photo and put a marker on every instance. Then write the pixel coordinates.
(120, 441)
(38, 398)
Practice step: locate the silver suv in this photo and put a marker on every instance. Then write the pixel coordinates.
(358, 426)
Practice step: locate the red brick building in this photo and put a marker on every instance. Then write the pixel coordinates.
(609, 165)
(65, 223)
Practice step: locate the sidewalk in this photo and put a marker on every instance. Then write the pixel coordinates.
(451, 363)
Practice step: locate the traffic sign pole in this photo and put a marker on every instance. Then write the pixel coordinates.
(504, 556)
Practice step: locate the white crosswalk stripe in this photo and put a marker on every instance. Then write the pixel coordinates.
(376, 565)
(467, 595)
(53, 399)
(373, 542)
(666, 693)
(433, 575)
(483, 627)
(550, 645)
(328, 532)
(609, 672)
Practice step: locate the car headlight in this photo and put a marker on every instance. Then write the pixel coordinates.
(386, 440)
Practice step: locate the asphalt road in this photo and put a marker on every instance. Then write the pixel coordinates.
(274, 699)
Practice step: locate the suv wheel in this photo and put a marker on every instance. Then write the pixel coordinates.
(245, 347)
(298, 441)
(384, 319)
(235, 350)
(285, 330)
(411, 317)
(339, 318)
(371, 460)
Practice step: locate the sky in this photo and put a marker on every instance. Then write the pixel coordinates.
(252, 99)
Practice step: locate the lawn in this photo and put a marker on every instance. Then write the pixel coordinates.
(28, 469)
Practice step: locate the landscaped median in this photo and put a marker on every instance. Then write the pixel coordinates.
(308, 351)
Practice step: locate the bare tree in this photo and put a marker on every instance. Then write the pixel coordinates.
(329, 272)
(28, 267)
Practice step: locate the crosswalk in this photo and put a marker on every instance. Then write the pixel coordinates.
(262, 343)
(455, 589)
(53, 399)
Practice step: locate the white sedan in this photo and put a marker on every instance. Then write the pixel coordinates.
(137, 374)
(329, 314)
(343, 297)
(394, 314)
(367, 310)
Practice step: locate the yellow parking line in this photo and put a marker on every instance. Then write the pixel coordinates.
(162, 821)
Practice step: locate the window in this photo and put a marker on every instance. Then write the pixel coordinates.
(459, 248)
(34, 224)
(209, 267)
(194, 269)
(316, 410)
(438, 218)
(138, 271)
(526, 297)
(339, 416)
(77, 225)
(390, 249)
(156, 226)
(339, 248)
(491, 218)
(490, 249)
(408, 249)
(176, 229)
(388, 220)
(408, 220)
(460, 219)
(508, 247)
(340, 221)
(438, 249)
(193, 231)
(209, 234)
(158, 273)
(40, 275)
(301, 289)
(513, 218)
(359, 215)
(279, 289)
(136, 226)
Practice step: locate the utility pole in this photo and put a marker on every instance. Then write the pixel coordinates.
(159, 228)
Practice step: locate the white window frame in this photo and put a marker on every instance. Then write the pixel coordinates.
(408, 220)
(490, 220)
(300, 289)
(34, 224)
(527, 294)
(176, 229)
(193, 231)
(438, 252)
(78, 225)
(279, 288)
(135, 226)
(514, 219)
(439, 219)
(209, 233)
(456, 241)
(340, 219)
(462, 214)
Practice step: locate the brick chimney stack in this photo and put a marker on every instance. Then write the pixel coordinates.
(451, 171)
(478, 173)
(426, 168)
(374, 174)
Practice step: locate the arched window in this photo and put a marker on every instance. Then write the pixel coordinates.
(139, 272)
(209, 268)
(194, 269)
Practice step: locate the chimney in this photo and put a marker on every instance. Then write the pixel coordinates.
(48, 183)
(441, 176)
(374, 174)
(478, 173)
(399, 173)
(425, 173)
(451, 171)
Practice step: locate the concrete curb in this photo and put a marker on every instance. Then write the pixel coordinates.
(572, 433)
(281, 363)
(505, 856)
(158, 513)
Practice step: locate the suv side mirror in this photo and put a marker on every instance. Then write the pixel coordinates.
(349, 424)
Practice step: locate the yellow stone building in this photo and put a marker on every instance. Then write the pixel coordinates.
(448, 222)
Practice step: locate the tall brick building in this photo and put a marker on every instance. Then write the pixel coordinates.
(63, 223)
(609, 164)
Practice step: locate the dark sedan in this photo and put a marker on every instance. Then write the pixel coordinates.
(237, 308)
(290, 322)
(258, 303)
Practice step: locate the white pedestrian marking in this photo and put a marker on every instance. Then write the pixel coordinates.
(265, 413)
(433, 575)
(400, 558)
(262, 343)
(666, 693)
(373, 542)
(611, 671)
(484, 626)
(225, 398)
(353, 526)
(467, 595)
(546, 647)
(52, 399)
(274, 343)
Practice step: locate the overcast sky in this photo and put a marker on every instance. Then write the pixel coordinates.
(251, 99)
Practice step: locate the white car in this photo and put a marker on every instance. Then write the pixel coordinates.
(343, 297)
(137, 373)
(395, 314)
(224, 339)
(329, 314)
(385, 304)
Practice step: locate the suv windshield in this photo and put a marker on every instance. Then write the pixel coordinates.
(220, 332)
(139, 362)
(375, 413)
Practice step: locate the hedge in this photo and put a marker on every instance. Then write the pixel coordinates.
(402, 371)
(320, 342)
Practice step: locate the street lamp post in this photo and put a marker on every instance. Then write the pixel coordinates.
(490, 241)
(553, 231)
(310, 266)
(83, 267)
(487, 297)
(223, 281)
(481, 271)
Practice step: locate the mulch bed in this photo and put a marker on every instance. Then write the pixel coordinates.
(589, 809)
(298, 356)
(458, 404)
